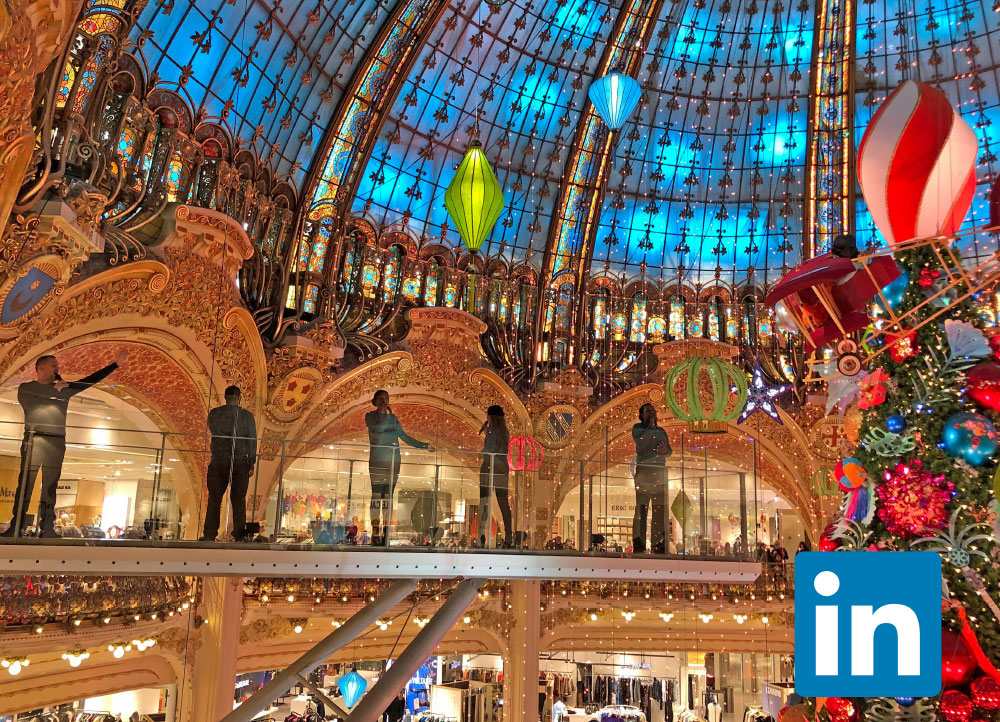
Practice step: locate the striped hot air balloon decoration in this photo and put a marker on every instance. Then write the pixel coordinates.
(916, 165)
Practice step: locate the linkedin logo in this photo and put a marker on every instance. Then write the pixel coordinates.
(867, 624)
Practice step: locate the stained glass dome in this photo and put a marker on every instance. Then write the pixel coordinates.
(749, 115)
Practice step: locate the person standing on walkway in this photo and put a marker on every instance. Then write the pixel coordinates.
(495, 444)
(652, 447)
(46, 402)
(384, 433)
(234, 453)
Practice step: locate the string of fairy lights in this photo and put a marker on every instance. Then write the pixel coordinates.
(576, 603)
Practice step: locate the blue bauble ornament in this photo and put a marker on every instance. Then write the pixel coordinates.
(970, 436)
(905, 701)
(894, 291)
(895, 423)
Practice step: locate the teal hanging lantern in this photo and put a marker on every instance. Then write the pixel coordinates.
(352, 686)
(615, 97)
(474, 198)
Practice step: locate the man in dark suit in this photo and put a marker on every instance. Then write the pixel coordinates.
(234, 453)
(46, 402)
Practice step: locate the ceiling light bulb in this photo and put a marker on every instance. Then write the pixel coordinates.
(13, 667)
(298, 629)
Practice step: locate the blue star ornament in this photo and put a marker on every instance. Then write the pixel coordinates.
(760, 396)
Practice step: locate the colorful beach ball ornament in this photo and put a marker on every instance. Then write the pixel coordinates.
(970, 436)
(916, 165)
(474, 198)
(614, 97)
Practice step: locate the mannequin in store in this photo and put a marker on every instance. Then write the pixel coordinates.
(652, 447)
(45, 402)
(384, 459)
(714, 710)
(496, 440)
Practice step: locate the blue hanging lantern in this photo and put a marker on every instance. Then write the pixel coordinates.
(615, 97)
(352, 686)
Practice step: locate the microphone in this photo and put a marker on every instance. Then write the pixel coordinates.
(58, 377)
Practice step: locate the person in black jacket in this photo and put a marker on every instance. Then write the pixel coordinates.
(46, 402)
(234, 453)
(652, 447)
(397, 708)
(495, 443)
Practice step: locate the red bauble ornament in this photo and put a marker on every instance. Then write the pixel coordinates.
(841, 709)
(995, 338)
(524, 453)
(958, 663)
(983, 384)
(986, 693)
(913, 500)
(902, 345)
(826, 541)
(956, 706)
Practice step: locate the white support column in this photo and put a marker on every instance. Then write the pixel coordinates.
(375, 702)
(344, 635)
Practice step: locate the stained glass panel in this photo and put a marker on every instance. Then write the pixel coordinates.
(411, 288)
(638, 326)
(676, 317)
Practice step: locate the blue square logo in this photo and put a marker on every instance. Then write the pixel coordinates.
(867, 624)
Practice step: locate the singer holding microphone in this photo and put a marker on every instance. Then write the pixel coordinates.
(45, 402)
(384, 433)
(652, 447)
(494, 473)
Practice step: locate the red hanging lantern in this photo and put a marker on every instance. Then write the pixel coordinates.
(524, 453)
(986, 693)
(956, 706)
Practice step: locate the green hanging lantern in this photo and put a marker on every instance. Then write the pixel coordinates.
(474, 198)
(709, 416)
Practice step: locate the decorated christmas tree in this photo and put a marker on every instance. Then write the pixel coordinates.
(923, 475)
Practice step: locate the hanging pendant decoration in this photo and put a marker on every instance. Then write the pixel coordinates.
(474, 198)
(614, 96)
(725, 388)
(352, 685)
